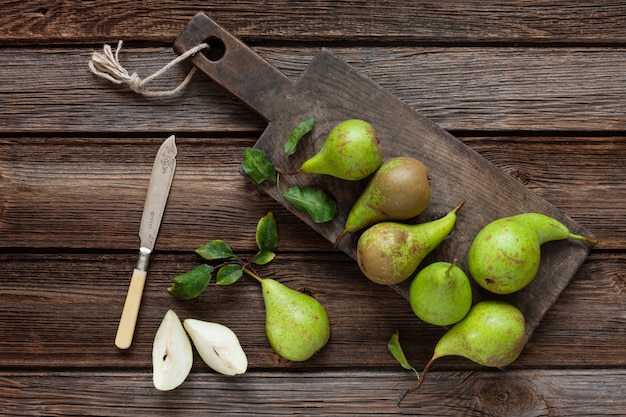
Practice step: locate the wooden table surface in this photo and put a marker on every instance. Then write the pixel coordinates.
(537, 88)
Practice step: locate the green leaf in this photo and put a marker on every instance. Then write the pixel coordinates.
(229, 274)
(264, 257)
(396, 350)
(191, 284)
(267, 233)
(218, 249)
(258, 166)
(302, 129)
(315, 202)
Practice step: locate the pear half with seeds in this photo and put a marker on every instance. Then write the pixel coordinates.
(218, 346)
(172, 355)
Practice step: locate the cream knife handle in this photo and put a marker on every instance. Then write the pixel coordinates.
(126, 328)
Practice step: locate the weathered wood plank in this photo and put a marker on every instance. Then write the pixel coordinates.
(417, 21)
(89, 192)
(59, 306)
(330, 393)
(527, 89)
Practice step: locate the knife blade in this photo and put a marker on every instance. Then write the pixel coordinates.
(156, 199)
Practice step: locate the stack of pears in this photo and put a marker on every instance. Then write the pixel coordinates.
(504, 258)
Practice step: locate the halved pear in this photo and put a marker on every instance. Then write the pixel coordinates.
(172, 355)
(218, 346)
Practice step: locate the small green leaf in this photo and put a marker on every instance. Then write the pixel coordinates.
(218, 249)
(264, 257)
(267, 233)
(302, 129)
(315, 202)
(191, 284)
(258, 166)
(397, 352)
(229, 274)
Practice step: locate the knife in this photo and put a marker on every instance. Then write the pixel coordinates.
(156, 198)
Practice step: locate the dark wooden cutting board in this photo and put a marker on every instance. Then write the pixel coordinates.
(331, 91)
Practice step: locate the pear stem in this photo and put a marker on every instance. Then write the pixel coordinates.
(451, 267)
(341, 235)
(457, 208)
(418, 383)
(252, 274)
(585, 238)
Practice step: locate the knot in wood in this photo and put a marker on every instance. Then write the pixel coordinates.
(521, 176)
(508, 396)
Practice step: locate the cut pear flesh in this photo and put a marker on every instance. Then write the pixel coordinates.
(172, 355)
(218, 346)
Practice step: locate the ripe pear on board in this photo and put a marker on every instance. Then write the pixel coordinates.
(296, 324)
(172, 355)
(398, 190)
(492, 334)
(218, 346)
(441, 294)
(351, 151)
(505, 255)
(390, 252)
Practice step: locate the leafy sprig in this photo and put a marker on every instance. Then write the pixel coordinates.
(192, 283)
(314, 201)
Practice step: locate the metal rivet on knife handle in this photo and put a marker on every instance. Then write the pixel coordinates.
(156, 198)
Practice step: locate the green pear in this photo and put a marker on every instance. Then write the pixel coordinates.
(172, 355)
(351, 151)
(504, 256)
(296, 324)
(441, 294)
(390, 252)
(399, 189)
(218, 346)
(492, 334)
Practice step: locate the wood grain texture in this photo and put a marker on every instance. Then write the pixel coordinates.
(51, 312)
(85, 192)
(536, 87)
(460, 89)
(582, 21)
(326, 393)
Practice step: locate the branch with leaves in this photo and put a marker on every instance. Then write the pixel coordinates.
(192, 283)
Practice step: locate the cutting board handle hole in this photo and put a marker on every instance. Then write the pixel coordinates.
(217, 49)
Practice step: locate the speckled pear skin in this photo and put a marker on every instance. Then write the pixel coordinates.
(441, 294)
(492, 334)
(388, 253)
(351, 151)
(399, 190)
(296, 324)
(505, 255)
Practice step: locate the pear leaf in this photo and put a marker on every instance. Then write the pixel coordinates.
(396, 350)
(191, 283)
(229, 274)
(263, 257)
(267, 233)
(315, 202)
(258, 166)
(217, 249)
(302, 129)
